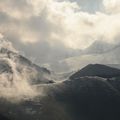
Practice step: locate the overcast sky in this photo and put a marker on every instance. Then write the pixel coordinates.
(39, 27)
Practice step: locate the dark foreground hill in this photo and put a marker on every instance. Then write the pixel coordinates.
(3, 118)
(87, 98)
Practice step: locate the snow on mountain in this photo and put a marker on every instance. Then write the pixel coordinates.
(18, 74)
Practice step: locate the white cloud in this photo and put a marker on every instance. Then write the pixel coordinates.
(33, 21)
(15, 86)
(112, 6)
(1, 36)
(78, 29)
(16, 9)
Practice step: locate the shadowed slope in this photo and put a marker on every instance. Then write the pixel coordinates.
(97, 70)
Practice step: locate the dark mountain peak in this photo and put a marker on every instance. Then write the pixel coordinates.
(99, 66)
(97, 70)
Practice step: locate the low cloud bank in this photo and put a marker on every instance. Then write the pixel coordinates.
(14, 84)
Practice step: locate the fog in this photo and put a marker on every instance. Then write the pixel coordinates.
(14, 84)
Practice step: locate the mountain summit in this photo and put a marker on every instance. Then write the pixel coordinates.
(11, 61)
(18, 75)
(97, 70)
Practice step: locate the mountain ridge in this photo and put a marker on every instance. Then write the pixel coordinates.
(97, 70)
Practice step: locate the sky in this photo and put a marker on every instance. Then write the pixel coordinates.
(41, 29)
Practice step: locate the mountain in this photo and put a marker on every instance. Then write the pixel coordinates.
(11, 61)
(86, 98)
(18, 75)
(78, 98)
(97, 70)
(92, 93)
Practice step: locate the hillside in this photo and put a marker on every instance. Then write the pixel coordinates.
(11, 61)
(97, 70)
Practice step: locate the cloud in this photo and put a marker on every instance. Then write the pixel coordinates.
(90, 6)
(16, 9)
(78, 29)
(50, 23)
(6, 44)
(112, 6)
(14, 85)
